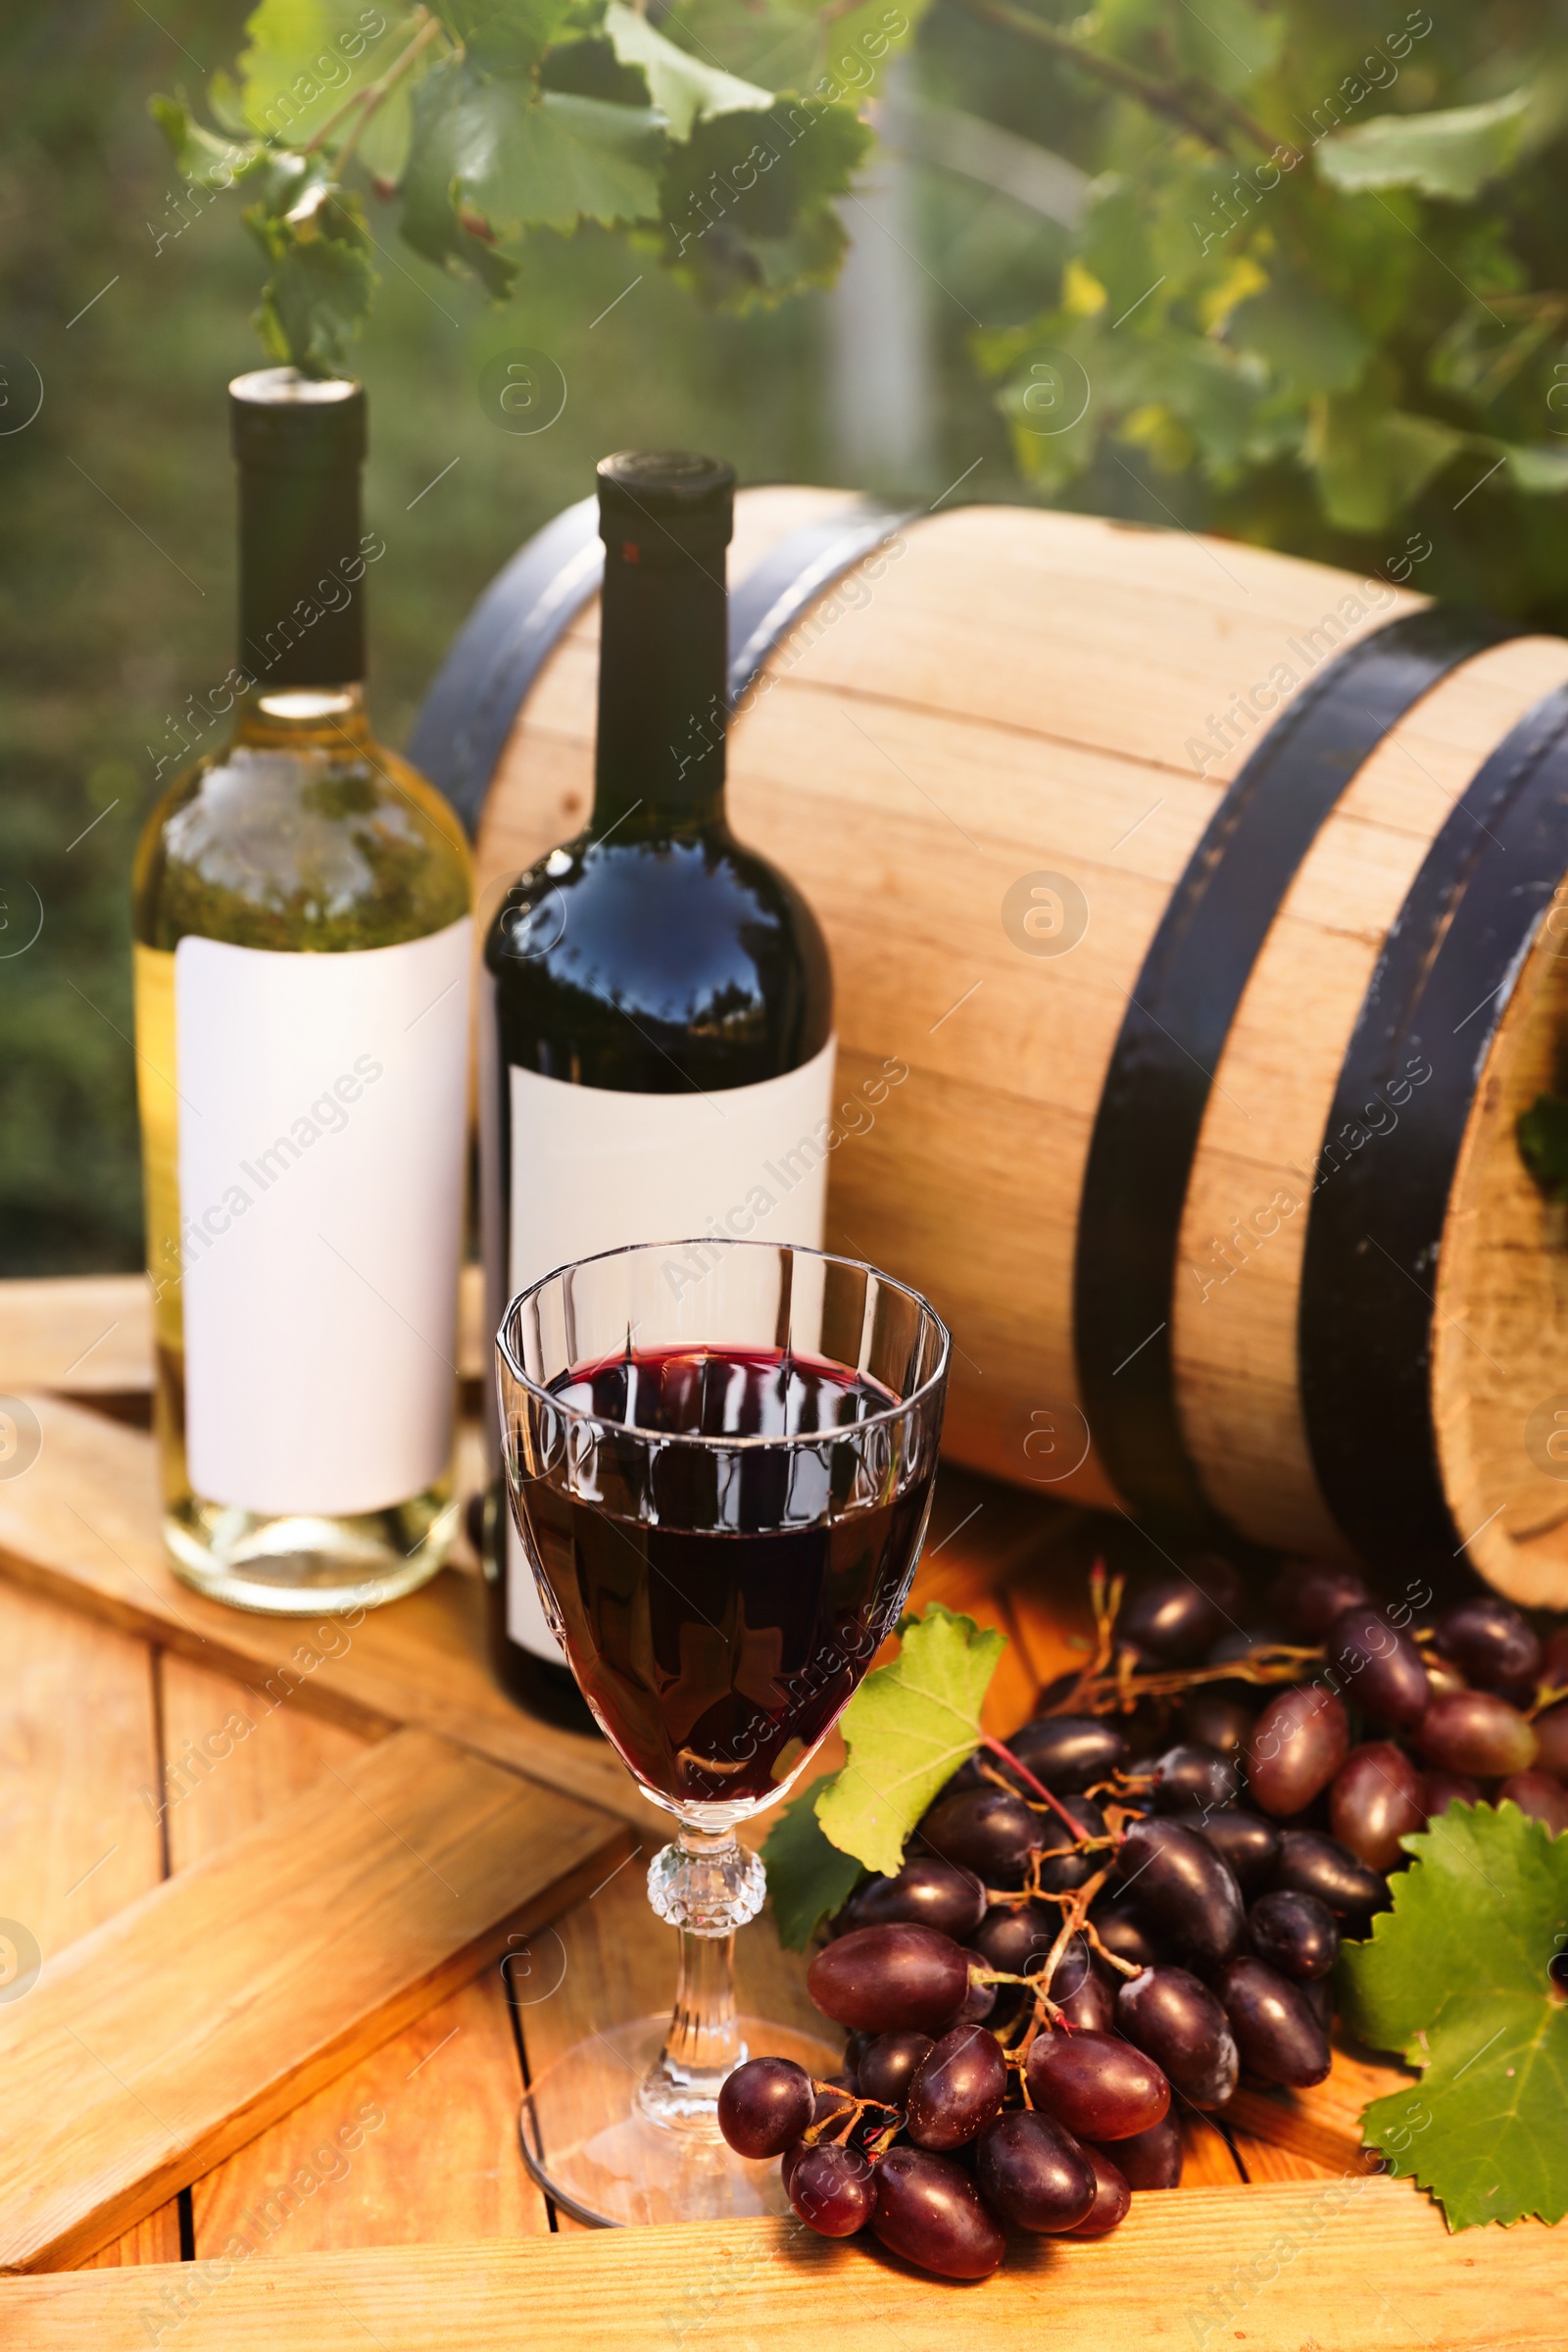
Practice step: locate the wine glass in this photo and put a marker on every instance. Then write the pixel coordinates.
(721, 1457)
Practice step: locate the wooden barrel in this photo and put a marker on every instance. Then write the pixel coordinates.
(1212, 901)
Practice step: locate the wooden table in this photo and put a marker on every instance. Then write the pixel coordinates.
(262, 2087)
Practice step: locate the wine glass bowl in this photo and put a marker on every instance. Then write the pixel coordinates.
(720, 1458)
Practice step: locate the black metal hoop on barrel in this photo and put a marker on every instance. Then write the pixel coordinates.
(1392, 1143)
(1178, 1018)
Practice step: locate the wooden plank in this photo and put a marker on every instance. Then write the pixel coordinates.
(417, 2142)
(82, 1527)
(1341, 2266)
(78, 1741)
(1322, 2125)
(92, 1335)
(281, 1959)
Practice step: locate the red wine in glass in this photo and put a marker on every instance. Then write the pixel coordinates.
(720, 1457)
(717, 1656)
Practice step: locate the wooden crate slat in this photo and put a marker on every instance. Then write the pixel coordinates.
(1337, 2266)
(416, 2142)
(77, 1717)
(273, 1965)
(82, 1527)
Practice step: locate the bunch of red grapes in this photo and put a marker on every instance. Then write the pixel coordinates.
(1096, 1930)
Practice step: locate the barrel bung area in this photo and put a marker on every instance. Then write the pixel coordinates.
(1199, 941)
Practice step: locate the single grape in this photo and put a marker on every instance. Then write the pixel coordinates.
(764, 2106)
(1100, 2087)
(1474, 1731)
(1555, 1660)
(928, 1893)
(1123, 1931)
(1150, 2159)
(1441, 1789)
(1381, 1666)
(1033, 2172)
(1018, 1938)
(1215, 1718)
(1318, 1992)
(889, 2061)
(832, 2189)
(1175, 2020)
(1540, 1797)
(1275, 2026)
(1070, 1753)
(1247, 1844)
(1494, 1646)
(1174, 1620)
(1063, 1865)
(1313, 1864)
(1112, 2197)
(1193, 1775)
(1216, 2088)
(1297, 1745)
(879, 1979)
(1375, 1801)
(988, 1831)
(981, 1998)
(1091, 2008)
(957, 2088)
(1186, 1892)
(1310, 1594)
(1552, 1729)
(929, 2211)
(1294, 1932)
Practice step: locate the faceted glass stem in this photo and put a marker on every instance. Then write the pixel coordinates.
(707, 1885)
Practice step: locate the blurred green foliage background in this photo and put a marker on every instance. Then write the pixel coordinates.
(1252, 392)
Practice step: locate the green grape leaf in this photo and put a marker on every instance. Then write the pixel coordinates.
(1303, 335)
(684, 90)
(505, 36)
(304, 56)
(1373, 460)
(855, 43)
(491, 157)
(808, 1878)
(1539, 471)
(1543, 1133)
(748, 202)
(568, 159)
(203, 159)
(1461, 1978)
(1452, 152)
(321, 279)
(907, 1729)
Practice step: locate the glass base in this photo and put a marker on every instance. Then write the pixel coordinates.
(590, 2146)
(305, 1565)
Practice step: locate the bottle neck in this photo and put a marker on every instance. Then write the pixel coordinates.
(289, 717)
(663, 706)
(302, 562)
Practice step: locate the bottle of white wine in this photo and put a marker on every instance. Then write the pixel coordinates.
(302, 921)
(656, 1024)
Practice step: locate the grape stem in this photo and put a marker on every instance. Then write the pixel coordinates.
(817, 2135)
(997, 1748)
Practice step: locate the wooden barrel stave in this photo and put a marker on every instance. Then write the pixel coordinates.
(986, 671)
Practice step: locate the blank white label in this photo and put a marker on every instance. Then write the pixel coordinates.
(322, 1140)
(593, 1170)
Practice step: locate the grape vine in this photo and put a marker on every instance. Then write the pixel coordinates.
(487, 121)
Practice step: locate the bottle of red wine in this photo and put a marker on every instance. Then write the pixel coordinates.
(656, 1048)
